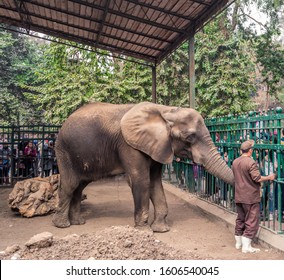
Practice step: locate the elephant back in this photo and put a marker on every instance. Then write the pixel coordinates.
(91, 125)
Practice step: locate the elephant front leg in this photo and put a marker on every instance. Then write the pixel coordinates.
(141, 203)
(158, 199)
(161, 211)
(137, 166)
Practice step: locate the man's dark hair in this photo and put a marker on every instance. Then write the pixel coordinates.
(246, 151)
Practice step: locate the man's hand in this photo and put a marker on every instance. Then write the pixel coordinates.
(269, 177)
(272, 176)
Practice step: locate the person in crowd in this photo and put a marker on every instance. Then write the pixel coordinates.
(21, 168)
(30, 154)
(280, 185)
(222, 148)
(268, 167)
(5, 163)
(247, 197)
(257, 159)
(282, 137)
(48, 158)
(226, 157)
(23, 143)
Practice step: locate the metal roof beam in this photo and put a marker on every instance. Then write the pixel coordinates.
(93, 20)
(156, 8)
(102, 22)
(111, 54)
(21, 9)
(86, 29)
(82, 40)
(114, 12)
(196, 25)
(200, 2)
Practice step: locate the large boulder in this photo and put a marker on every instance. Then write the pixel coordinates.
(35, 197)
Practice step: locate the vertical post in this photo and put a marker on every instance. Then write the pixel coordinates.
(154, 84)
(191, 72)
(12, 170)
(42, 152)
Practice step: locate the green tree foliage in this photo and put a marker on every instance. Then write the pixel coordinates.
(223, 70)
(65, 80)
(268, 54)
(70, 77)
(18, 57)
(270, 57)
(127, 82)
(172, 77)
(229, 54)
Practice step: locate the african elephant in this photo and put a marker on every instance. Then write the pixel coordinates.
(100, 140)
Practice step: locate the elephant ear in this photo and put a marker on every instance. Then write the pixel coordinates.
(144, 128)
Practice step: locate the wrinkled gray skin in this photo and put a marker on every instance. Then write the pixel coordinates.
(101, 140)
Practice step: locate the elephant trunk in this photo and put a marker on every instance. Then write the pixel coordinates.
(216, 166)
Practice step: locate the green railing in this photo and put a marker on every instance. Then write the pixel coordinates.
(228, 133)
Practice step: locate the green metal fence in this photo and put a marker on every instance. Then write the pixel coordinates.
(228, 133)
(15, 163)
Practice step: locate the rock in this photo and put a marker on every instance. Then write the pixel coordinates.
(35, 196)
(15, 257)
(12, 249)
(40, 240)
(70, 237)
(127, 243)
(2, 253)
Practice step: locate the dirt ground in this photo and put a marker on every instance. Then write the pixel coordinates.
(109, 233)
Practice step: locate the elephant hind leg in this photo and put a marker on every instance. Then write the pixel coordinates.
(75, 206)
(68, 184)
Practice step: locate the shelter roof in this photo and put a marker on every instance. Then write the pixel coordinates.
(145, 29)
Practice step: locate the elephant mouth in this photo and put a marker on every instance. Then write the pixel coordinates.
(184, 154)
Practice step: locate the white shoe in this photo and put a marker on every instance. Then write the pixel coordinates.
(270, 217)
(246, 246)
(238, 242)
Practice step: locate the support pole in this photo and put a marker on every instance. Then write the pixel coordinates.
(154, 84)
(191, 72)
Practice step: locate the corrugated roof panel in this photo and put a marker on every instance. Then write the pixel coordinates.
(145, 29)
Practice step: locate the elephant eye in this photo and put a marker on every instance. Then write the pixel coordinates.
(190, 138)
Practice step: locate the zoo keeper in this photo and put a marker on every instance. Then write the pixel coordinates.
(247, 197)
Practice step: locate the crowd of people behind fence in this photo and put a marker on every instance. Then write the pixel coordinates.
(31, 158)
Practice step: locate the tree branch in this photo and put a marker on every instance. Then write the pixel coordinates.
(258, 22)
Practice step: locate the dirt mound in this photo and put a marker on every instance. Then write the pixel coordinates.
(123, 243)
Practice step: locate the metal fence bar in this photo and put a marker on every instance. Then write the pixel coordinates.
(228, 132)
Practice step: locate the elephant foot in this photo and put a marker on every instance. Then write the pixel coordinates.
(60, 222)
(145, 227)
(160, 227)
(79, 221)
